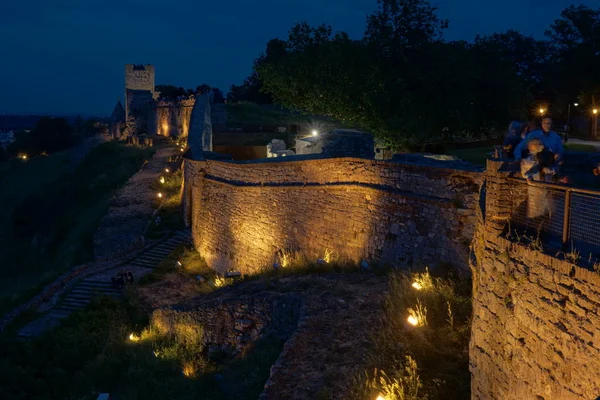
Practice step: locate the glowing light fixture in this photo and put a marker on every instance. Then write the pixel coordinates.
(315, 132)
(380, 397)
(413, 321)
(167, 170)
(179, 263)
(24, 156)
(133, 337)
(542, 111)
(575, 104)
(417, 285)
(595, 111)
(160, 195)
(162, 179)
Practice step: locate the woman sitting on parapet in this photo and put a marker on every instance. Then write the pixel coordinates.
(550, 140)
(539, 165)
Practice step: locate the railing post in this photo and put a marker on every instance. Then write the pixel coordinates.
(566, 217)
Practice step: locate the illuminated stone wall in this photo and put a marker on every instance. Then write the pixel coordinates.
(171, 117)
(536, 327)
(243, 213)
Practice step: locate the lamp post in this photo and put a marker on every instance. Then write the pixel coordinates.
(569, 121)
(595, 112)
(542, 112)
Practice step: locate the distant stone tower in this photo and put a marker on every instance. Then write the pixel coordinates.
(139, 88)
(139, 77)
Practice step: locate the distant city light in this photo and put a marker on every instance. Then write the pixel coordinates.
(314, 132)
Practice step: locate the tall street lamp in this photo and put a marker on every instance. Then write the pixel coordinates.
(569, 121)
(595, 112)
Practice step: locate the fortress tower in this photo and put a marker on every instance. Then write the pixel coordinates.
(139, 88)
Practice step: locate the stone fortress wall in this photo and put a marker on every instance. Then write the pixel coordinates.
(171, 117)
(536, 326)
(243, 213)
(146, 112)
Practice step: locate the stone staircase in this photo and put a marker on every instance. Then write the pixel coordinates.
(85, 290)
(153, 256)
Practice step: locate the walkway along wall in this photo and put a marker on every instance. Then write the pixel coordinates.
(241, 214)
(536, 328)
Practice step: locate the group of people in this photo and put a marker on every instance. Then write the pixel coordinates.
(123, 278)
(539, 151)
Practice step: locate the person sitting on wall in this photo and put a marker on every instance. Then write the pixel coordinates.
(530, 165)
(550, 139)
(538, 166)
(512, 139)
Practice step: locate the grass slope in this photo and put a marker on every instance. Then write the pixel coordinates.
(49, 215)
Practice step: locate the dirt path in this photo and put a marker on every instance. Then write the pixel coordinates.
(122, 228)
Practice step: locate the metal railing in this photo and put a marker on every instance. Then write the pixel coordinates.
(568, 214)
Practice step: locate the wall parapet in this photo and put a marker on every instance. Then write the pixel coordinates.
(241, 214)
(536, 327)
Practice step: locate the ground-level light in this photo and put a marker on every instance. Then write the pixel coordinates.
(133, 337)
(380, 397)
(413, 321)
(417, 285)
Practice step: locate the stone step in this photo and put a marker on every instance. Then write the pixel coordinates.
(142, 263)
(151, 257)
(83, 294)
(75, 303)
(55, 313)
(68, 308)
(96, 284)
(162, 249)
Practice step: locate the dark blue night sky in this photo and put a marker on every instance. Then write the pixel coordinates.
(68, 56)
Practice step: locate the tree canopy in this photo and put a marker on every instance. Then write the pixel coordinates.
(404, 83)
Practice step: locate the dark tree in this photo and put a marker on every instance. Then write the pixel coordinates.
(218, 95)
(170, 91)
(203, 89)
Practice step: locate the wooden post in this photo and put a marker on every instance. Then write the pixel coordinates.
(566, 218)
